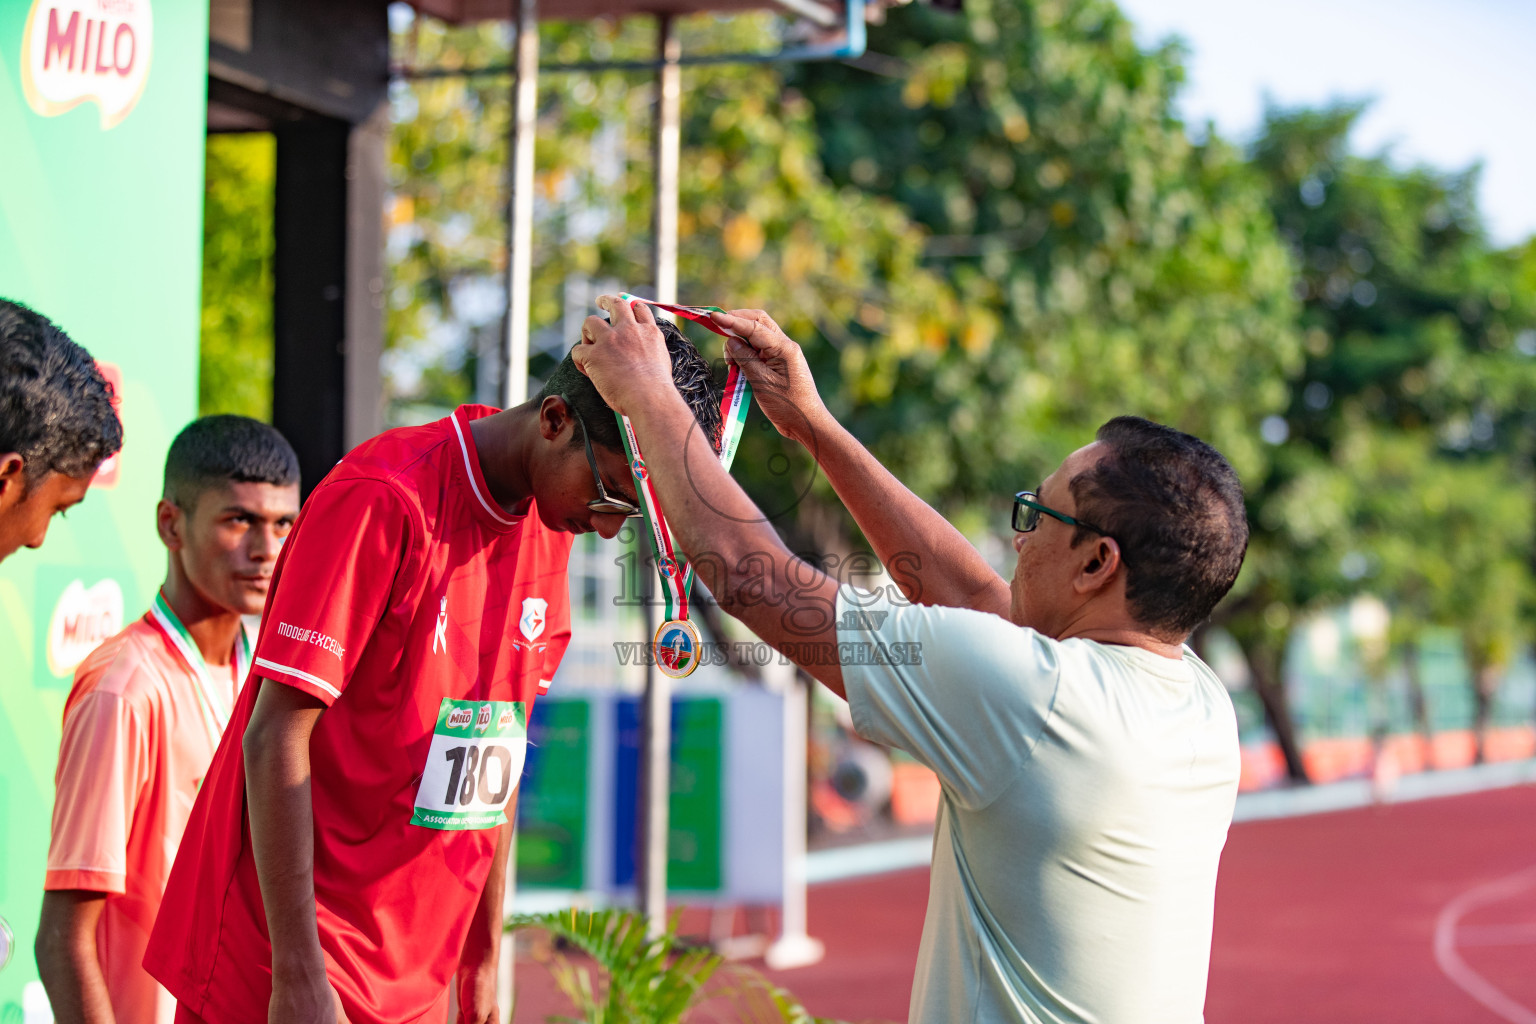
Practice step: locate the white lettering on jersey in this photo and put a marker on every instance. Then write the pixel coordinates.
(440, 635)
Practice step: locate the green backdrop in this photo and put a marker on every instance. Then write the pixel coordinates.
(101, 231)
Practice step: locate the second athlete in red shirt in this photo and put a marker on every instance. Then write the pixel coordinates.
(345, 860)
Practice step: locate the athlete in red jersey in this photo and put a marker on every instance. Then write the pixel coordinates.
(419, 607)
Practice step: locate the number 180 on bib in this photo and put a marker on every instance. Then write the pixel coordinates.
(474, 764)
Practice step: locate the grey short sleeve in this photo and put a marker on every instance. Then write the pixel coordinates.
(964, 692)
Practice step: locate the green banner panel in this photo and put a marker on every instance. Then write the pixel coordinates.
(552, 801)
(102, 113)
(696, 828)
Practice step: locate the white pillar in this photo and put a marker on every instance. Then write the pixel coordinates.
(656, 744)
(525, 90)
(367, 186)
(514, 370)
(794, 947)
(669, 106)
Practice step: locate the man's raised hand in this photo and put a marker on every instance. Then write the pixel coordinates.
(776, 368)
(625, 356)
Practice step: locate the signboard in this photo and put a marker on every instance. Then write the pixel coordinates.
(694, 811)
(577, 807)
(60, 69)
(102, 113)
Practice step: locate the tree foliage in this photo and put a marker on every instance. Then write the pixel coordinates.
(1103, 262)
(1403, 460)
(235, 362)
(760, 224)
(995, 233)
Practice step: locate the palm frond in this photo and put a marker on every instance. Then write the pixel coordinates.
(650, 980)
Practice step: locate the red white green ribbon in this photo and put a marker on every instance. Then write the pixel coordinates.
(671, 565)
(214, 709)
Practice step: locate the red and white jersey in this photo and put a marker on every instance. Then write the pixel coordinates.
(414, 606)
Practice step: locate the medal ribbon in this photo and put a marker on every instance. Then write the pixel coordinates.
(215, 713)
(673, 569)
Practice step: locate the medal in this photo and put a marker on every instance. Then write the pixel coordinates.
(677, 643)
(677, 648)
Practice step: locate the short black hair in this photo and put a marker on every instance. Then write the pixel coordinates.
(221, 449)
(691, 374)
(1175, 506)
(56, 409)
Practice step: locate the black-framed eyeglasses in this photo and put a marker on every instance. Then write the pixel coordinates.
(604, 503)
(1027, 511)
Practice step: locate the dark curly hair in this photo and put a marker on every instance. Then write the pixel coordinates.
(1175, 506)
(691, 374)
(56, 409)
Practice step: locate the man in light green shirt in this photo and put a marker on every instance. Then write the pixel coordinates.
(1088, 760)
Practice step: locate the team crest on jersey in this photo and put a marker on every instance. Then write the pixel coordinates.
(535, 610)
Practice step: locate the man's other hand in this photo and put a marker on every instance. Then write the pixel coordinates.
(776, 368)
(625, 356)
(477, 993)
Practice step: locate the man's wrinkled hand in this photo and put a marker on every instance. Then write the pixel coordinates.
(776, 367)
(625, 356)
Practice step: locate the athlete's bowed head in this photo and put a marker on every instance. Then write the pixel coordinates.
(57, 425)
(582, 479)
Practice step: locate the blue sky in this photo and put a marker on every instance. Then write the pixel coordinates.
(1454, 82)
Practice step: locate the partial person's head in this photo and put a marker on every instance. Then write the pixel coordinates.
(231, 496)
(1159, 534)
(57, 425)
(572, 413)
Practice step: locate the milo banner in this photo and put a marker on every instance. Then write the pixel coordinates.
(102, 122)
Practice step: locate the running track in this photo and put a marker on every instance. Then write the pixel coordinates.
(1421, 912)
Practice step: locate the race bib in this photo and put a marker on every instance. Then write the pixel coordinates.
(474, 764)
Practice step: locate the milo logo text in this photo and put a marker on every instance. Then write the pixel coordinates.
(460, 718)
(483, 719)
(505, 720)
(78, 51)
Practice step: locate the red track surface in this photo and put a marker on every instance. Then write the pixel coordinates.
(1327, 919)
(1330, 919)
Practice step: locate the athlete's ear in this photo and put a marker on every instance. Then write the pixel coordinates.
(13, 480)
(170, 523)
(554, 417)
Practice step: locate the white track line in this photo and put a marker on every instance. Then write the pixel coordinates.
(1456, 969)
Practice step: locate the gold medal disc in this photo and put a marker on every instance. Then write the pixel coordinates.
(678, 646)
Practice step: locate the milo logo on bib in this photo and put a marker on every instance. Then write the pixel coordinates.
(473, 765)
